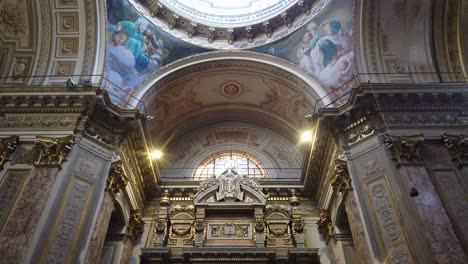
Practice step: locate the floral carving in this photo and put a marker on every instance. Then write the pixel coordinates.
(7, 147)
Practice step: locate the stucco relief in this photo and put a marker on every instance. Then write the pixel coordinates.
(14, 21)
(386, 215)
(370, 165)
(357, 228)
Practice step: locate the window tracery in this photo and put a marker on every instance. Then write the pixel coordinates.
(243, 163)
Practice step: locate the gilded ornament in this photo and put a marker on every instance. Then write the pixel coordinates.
(259, 224)
(199, 224)
(298, 225)
(7, 146)
(161, 225)
(340, 179)
(117, 179)
(136, 223)
(52, 151)
(325, 225)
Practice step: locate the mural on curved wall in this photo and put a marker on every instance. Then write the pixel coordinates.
(323, 47)
(136, 48)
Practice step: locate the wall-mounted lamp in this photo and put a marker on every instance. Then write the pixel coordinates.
(156, 154)
(306, 136)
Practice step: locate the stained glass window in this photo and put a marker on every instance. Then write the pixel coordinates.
(241, 162)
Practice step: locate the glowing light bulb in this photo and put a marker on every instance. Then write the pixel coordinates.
(306, 136)
(156, 154)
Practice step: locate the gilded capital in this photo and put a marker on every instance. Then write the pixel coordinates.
(8, 145)
(404, 149)
(135, 223)
(117, 179)
(325, 225)
(457, 145)
(340, 179)
(52, 151)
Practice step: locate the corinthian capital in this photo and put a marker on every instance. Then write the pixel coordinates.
(52, 151)
(7, 147)
(457, 145)
(404, 149)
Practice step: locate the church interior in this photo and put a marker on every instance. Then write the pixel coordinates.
(247, 131)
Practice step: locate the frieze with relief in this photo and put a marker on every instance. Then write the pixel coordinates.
(230, 231)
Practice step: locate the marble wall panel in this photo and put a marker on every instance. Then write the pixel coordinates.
(24, 218)
(10, 188)
(453, 195)
(386, 214)
(73, 211)
(438, 230)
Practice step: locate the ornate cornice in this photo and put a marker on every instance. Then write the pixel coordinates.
(117, 179)
(52, 151)
(8, 145)
(457, 145)
(404, 149)
(224, 37)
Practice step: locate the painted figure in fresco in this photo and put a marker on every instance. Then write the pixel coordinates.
(141, 43)
(326, 52)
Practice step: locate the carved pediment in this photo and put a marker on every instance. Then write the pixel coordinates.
(230, 187)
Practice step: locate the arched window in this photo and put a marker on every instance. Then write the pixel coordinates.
(243, 163)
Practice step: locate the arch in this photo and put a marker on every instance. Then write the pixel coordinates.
(184, 63)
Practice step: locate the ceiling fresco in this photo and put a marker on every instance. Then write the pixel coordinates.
(136, 48)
